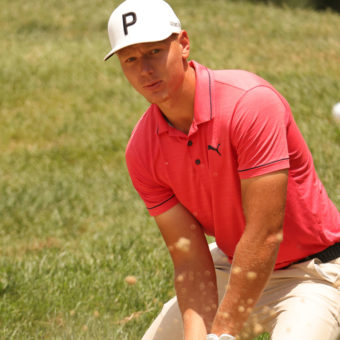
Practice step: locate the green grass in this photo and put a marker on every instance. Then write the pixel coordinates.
(71, 227)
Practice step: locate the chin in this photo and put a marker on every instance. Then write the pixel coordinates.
(158, 99)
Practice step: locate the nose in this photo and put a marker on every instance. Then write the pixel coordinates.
(146, 66)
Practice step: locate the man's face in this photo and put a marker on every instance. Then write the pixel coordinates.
(156, 70)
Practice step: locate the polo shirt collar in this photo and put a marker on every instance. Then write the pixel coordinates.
(203, 106)
(204, 110)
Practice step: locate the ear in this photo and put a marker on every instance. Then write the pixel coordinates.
(183, 40)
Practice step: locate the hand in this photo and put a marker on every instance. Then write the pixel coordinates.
(221, 337)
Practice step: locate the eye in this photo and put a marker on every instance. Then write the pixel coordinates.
(130, 60)
(155, 51)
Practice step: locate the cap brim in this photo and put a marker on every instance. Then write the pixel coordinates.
(109, 55)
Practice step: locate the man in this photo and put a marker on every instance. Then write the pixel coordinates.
(218, 152)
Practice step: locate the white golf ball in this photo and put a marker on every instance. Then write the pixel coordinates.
(336, 112)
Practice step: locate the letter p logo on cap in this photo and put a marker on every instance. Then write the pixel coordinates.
(127, 23)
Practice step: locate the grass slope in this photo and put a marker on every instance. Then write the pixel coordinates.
(72, 228)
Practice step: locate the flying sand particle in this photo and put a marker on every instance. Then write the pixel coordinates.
(258, 328)
(265, 310)
(251, 275)
(180, 278)
(183, 244)
(241, 309)
(236, 270)
(279, 237)
(131, 280)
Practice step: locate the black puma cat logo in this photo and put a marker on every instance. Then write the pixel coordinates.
(214, 149)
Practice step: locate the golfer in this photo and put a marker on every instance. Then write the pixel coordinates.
(219, 153)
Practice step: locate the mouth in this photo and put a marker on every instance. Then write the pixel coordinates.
(152, 85)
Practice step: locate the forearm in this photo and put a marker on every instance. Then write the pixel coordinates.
(252, 266)
(197, 298)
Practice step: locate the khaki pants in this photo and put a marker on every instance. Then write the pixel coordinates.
(301, 302)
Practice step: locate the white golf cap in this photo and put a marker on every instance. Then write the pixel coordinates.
(140, 21)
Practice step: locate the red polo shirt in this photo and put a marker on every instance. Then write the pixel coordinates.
(242, 127)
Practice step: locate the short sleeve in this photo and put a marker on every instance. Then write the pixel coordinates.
(259, 133)
(157, 196)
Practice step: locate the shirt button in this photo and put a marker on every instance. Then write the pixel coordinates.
(189, 142)
(197, 161)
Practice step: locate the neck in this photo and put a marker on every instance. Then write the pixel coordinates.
(179, 110)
